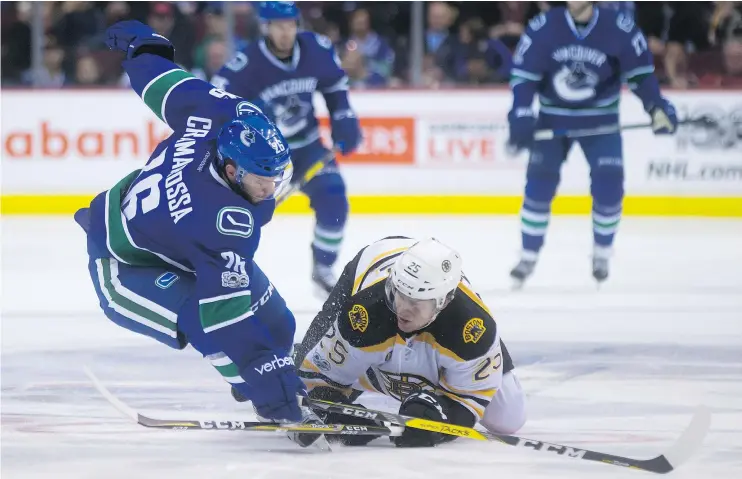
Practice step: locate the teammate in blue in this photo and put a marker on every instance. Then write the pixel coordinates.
(171, 246)
(576, 59)
(280, 73)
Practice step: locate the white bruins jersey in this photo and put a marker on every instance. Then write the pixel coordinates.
(458, 355)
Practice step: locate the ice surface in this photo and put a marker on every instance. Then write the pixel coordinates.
(618, 370)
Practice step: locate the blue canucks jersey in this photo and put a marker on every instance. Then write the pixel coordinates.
(177, 211)
(285, 89)
(577, 71)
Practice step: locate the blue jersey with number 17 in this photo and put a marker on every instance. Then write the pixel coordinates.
(178, 211)
(578, 71)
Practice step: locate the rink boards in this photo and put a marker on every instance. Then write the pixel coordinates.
(425, 152)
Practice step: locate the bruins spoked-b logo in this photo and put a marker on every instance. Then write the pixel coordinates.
(358, 318)
(473, 330)
(446, 266)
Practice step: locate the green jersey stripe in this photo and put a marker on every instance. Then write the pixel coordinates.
(118, 241)
(225, 310)
(155, 94)
(127, 307)
(226, 368)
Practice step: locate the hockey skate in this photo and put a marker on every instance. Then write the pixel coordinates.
(324, 280)
(521, 272)
(600, 269)
(601, 255)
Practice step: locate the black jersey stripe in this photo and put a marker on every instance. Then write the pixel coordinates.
(374, 266)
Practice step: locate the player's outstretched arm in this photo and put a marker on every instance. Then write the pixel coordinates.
(172, 93)
(331, 368)
(331, 309)
(246, 338)
(340, 357)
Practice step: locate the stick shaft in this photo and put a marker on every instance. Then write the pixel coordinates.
(662, 464)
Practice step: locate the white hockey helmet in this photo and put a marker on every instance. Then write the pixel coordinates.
(428, 273)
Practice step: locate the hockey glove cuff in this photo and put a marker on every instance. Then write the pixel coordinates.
(664, 118)
(346, 131)
(425, 406)
(273, 386)
(135, 38)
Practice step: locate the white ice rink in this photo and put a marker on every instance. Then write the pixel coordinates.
(618, 370)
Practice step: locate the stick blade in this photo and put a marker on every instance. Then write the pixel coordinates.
(115, 402)
(685, 446)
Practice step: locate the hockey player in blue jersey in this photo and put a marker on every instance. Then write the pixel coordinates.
(280, 72)
(576, 59)
(171, 246)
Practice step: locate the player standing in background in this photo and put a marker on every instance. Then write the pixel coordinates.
(403, 321)
(280, 73)
(171, 246)
(576, 59)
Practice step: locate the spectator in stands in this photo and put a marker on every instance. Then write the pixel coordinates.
(432, 75)
(688, 32)
(87, 72)
(355, 64)
(513, 19)
(651, 17)
(216, 57)
(378, 57)
(473, 48)
(52, 74)
(16, 41)
(440, 19)
(216, 31)
(438, 39)
(80, 23)
(726, 28)
(247, 25)
(732, 63)
(115, 12)
(726, 22)
(167, 21)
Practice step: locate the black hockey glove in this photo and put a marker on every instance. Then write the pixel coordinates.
(425, 406)
(329, 394)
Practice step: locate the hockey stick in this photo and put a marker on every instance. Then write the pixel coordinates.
(679, 452)
(310, 173)
(542, 135)
(220, 425)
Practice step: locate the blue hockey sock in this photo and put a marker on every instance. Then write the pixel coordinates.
(534, 221)
(326, 244)
(605, 223)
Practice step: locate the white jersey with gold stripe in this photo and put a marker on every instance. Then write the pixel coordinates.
(458, 356)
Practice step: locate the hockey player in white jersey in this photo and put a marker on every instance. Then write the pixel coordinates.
(403, 321)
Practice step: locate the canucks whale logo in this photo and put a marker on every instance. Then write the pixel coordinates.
(291, 115)
(575, 82)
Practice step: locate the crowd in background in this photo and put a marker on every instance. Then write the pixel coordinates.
(695, 44)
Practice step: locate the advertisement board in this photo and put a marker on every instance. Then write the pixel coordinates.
(418, 145)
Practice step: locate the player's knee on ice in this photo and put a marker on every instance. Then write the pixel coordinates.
(506, 413)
